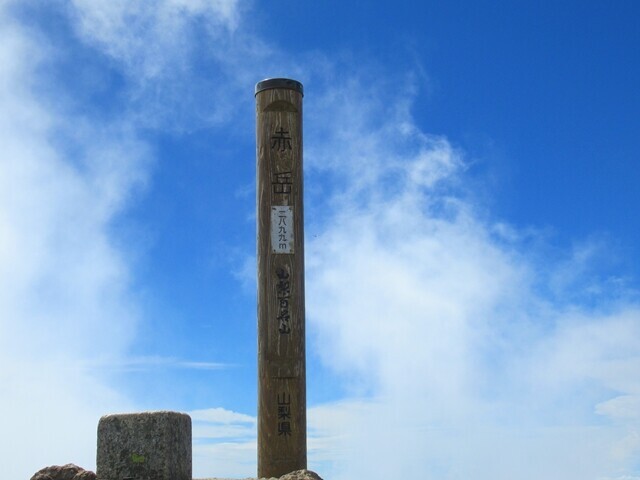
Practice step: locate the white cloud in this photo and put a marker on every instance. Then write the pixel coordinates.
(151, 39)
(162, 48)
(64, 297)
(145, 363)
(226, 459)
(622, 407)
(224, 443)
(67, 314)
(460, 363)
(466, 360)
(220, 415)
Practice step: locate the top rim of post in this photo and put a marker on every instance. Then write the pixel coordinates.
(270, 83)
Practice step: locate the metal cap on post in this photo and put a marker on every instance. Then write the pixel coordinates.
(273, 83)
(282, 435)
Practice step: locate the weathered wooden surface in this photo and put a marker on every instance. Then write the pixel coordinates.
(282, 441)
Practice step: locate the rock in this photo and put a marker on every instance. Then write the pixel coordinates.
(85, 475)
(145, 445)
(64, 472)
(301, 475)
(297, 475)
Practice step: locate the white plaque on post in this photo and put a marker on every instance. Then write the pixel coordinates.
(282, 229)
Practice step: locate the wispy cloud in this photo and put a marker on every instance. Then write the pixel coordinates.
(164, 48)
(224, 442)
(220, 415)
(463, 358)
(69, 314)
(148, 363)
(154, 43)
(64, 283)
(466, 351)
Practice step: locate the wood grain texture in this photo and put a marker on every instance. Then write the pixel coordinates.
(282, 440)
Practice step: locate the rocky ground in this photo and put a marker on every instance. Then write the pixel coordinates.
(299, 475)
(73, 472)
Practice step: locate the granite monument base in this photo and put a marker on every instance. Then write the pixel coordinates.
(144, 446)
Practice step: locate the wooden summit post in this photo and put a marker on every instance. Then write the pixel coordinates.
(282, 409)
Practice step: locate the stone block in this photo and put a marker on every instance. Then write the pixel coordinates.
(144, 446)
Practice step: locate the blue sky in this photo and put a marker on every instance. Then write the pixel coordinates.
(472, 251)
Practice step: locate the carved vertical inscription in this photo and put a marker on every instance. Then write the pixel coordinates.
(281, 329)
